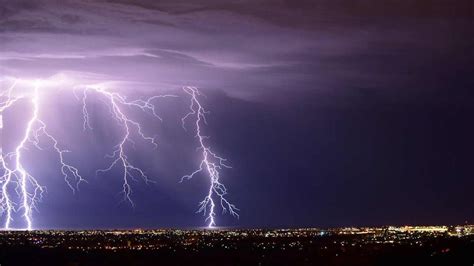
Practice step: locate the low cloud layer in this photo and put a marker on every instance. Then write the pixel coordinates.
(246, 48)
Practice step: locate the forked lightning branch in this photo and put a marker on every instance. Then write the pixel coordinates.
(21, 191)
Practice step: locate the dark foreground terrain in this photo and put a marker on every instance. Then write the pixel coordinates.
(344, 246)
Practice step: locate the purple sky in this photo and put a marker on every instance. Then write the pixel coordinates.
(331, 112)
(246, 48)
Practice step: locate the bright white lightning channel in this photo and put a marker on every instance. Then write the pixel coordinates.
(211, 164)
(17, 179)
(119, 157)
(16, 176)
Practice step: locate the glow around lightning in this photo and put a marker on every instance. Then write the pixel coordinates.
(26, 185)
(116, 104)
(211, 164)
(15, 173)
(17, 181)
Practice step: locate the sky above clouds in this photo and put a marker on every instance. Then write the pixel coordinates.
(328, 110)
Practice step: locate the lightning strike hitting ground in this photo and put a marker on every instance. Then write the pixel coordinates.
(26, 186)
(16, 179)
(210, 164)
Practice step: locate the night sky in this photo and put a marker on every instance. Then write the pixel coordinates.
(330, 112)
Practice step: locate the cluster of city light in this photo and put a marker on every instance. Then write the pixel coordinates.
(17, 178)
(328, 240)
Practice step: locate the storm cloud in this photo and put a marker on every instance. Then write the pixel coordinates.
(246, 48)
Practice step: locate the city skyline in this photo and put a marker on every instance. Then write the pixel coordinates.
(438, 245)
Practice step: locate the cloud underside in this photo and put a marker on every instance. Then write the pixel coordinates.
(245, 47)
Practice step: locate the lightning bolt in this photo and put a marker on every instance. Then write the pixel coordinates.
(211, 164)
(26, 185)
(16, 178)
(117, 103)
(16, 175)
(6, 205)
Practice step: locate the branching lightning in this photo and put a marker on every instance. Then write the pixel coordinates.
(210, 164)
(14, 171)
(20, 191)
(116, 104)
